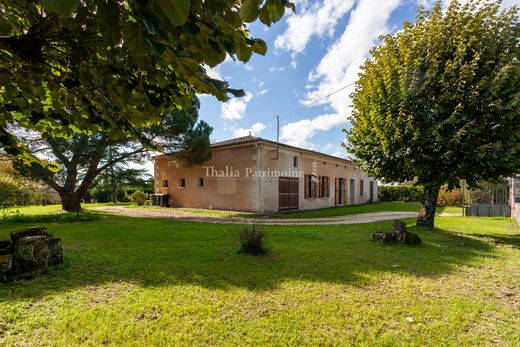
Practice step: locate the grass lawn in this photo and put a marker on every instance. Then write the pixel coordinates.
(366, 208)
(146, 282)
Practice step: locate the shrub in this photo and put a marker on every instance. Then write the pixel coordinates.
(400, 193)
(449, 197)
(139, 198)
(251, 238)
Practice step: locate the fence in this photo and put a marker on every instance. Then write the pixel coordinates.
(486, 210)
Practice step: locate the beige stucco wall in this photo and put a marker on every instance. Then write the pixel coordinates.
(326, 166)
(231, 193)
(247, 192)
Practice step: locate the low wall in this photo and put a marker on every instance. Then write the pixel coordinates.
(482, 210)
(515, 212)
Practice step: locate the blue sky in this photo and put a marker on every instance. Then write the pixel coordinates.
(311, 54)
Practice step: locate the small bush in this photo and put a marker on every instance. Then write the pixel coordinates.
(139, 198)
(251, 238)
(449, 197)
(400, 193)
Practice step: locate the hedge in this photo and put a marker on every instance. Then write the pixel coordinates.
(400, 193)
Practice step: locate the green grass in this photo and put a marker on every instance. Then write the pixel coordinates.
(366, 208)
(157, 282)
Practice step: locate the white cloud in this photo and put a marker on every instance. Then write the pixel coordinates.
(274, 68)
(262, 92)
(340, 154)
(298, 133)
(213, 72)
(339, 67)
(317, 20)
(235, 108)
(254, 130)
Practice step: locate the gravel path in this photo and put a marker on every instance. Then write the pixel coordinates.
(186, 216)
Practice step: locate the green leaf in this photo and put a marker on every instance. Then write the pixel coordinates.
(62, 7)
(236, 92)
(264, 16)
(176, 11)
(109, 18)
(260, 47)
(276, 10)
(5, 27)
(134, 38)
(250, 10)
(214, 57)
(244, 52)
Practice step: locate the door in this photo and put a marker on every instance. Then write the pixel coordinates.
(352, 191)
(371, 191)
(340, 192)
(288, 193)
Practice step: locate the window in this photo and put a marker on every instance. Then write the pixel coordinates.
(295, 161)
(325, 190)
(165, 183)
(312, 185)
(200, 182)
(361, 184)
(182, 182)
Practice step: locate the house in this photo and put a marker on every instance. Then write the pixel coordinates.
(254, 174)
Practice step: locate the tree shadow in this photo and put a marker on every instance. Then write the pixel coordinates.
(153, 252)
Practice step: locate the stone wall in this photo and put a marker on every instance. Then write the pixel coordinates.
(514, 197)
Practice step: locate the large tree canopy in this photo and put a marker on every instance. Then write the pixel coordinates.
(440, 101)
(116, 66)
(83, 158)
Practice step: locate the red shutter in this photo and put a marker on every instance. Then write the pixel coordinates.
(306, 186)
(327, 188)
(336, 190)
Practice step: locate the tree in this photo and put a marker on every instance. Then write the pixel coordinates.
(439, 101)
(111, 66)
(119, 181)
(84, 157)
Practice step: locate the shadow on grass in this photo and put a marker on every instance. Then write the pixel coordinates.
(160, 252)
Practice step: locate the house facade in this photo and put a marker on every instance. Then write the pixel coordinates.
(258, 175)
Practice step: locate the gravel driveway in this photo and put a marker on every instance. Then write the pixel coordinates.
(186, 216)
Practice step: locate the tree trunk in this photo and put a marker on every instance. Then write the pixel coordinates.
(428, 206)
(70, 202)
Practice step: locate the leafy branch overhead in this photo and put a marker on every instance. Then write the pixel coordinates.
(116, 66)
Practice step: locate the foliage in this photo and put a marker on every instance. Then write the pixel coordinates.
(139, 198)
(119, 182)
(449, 197)
(85, 158)
(251, 239)
(488, 193)
(116, 66)
(17, 190)
(400, 193)
(124, 277)
(439, 101)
